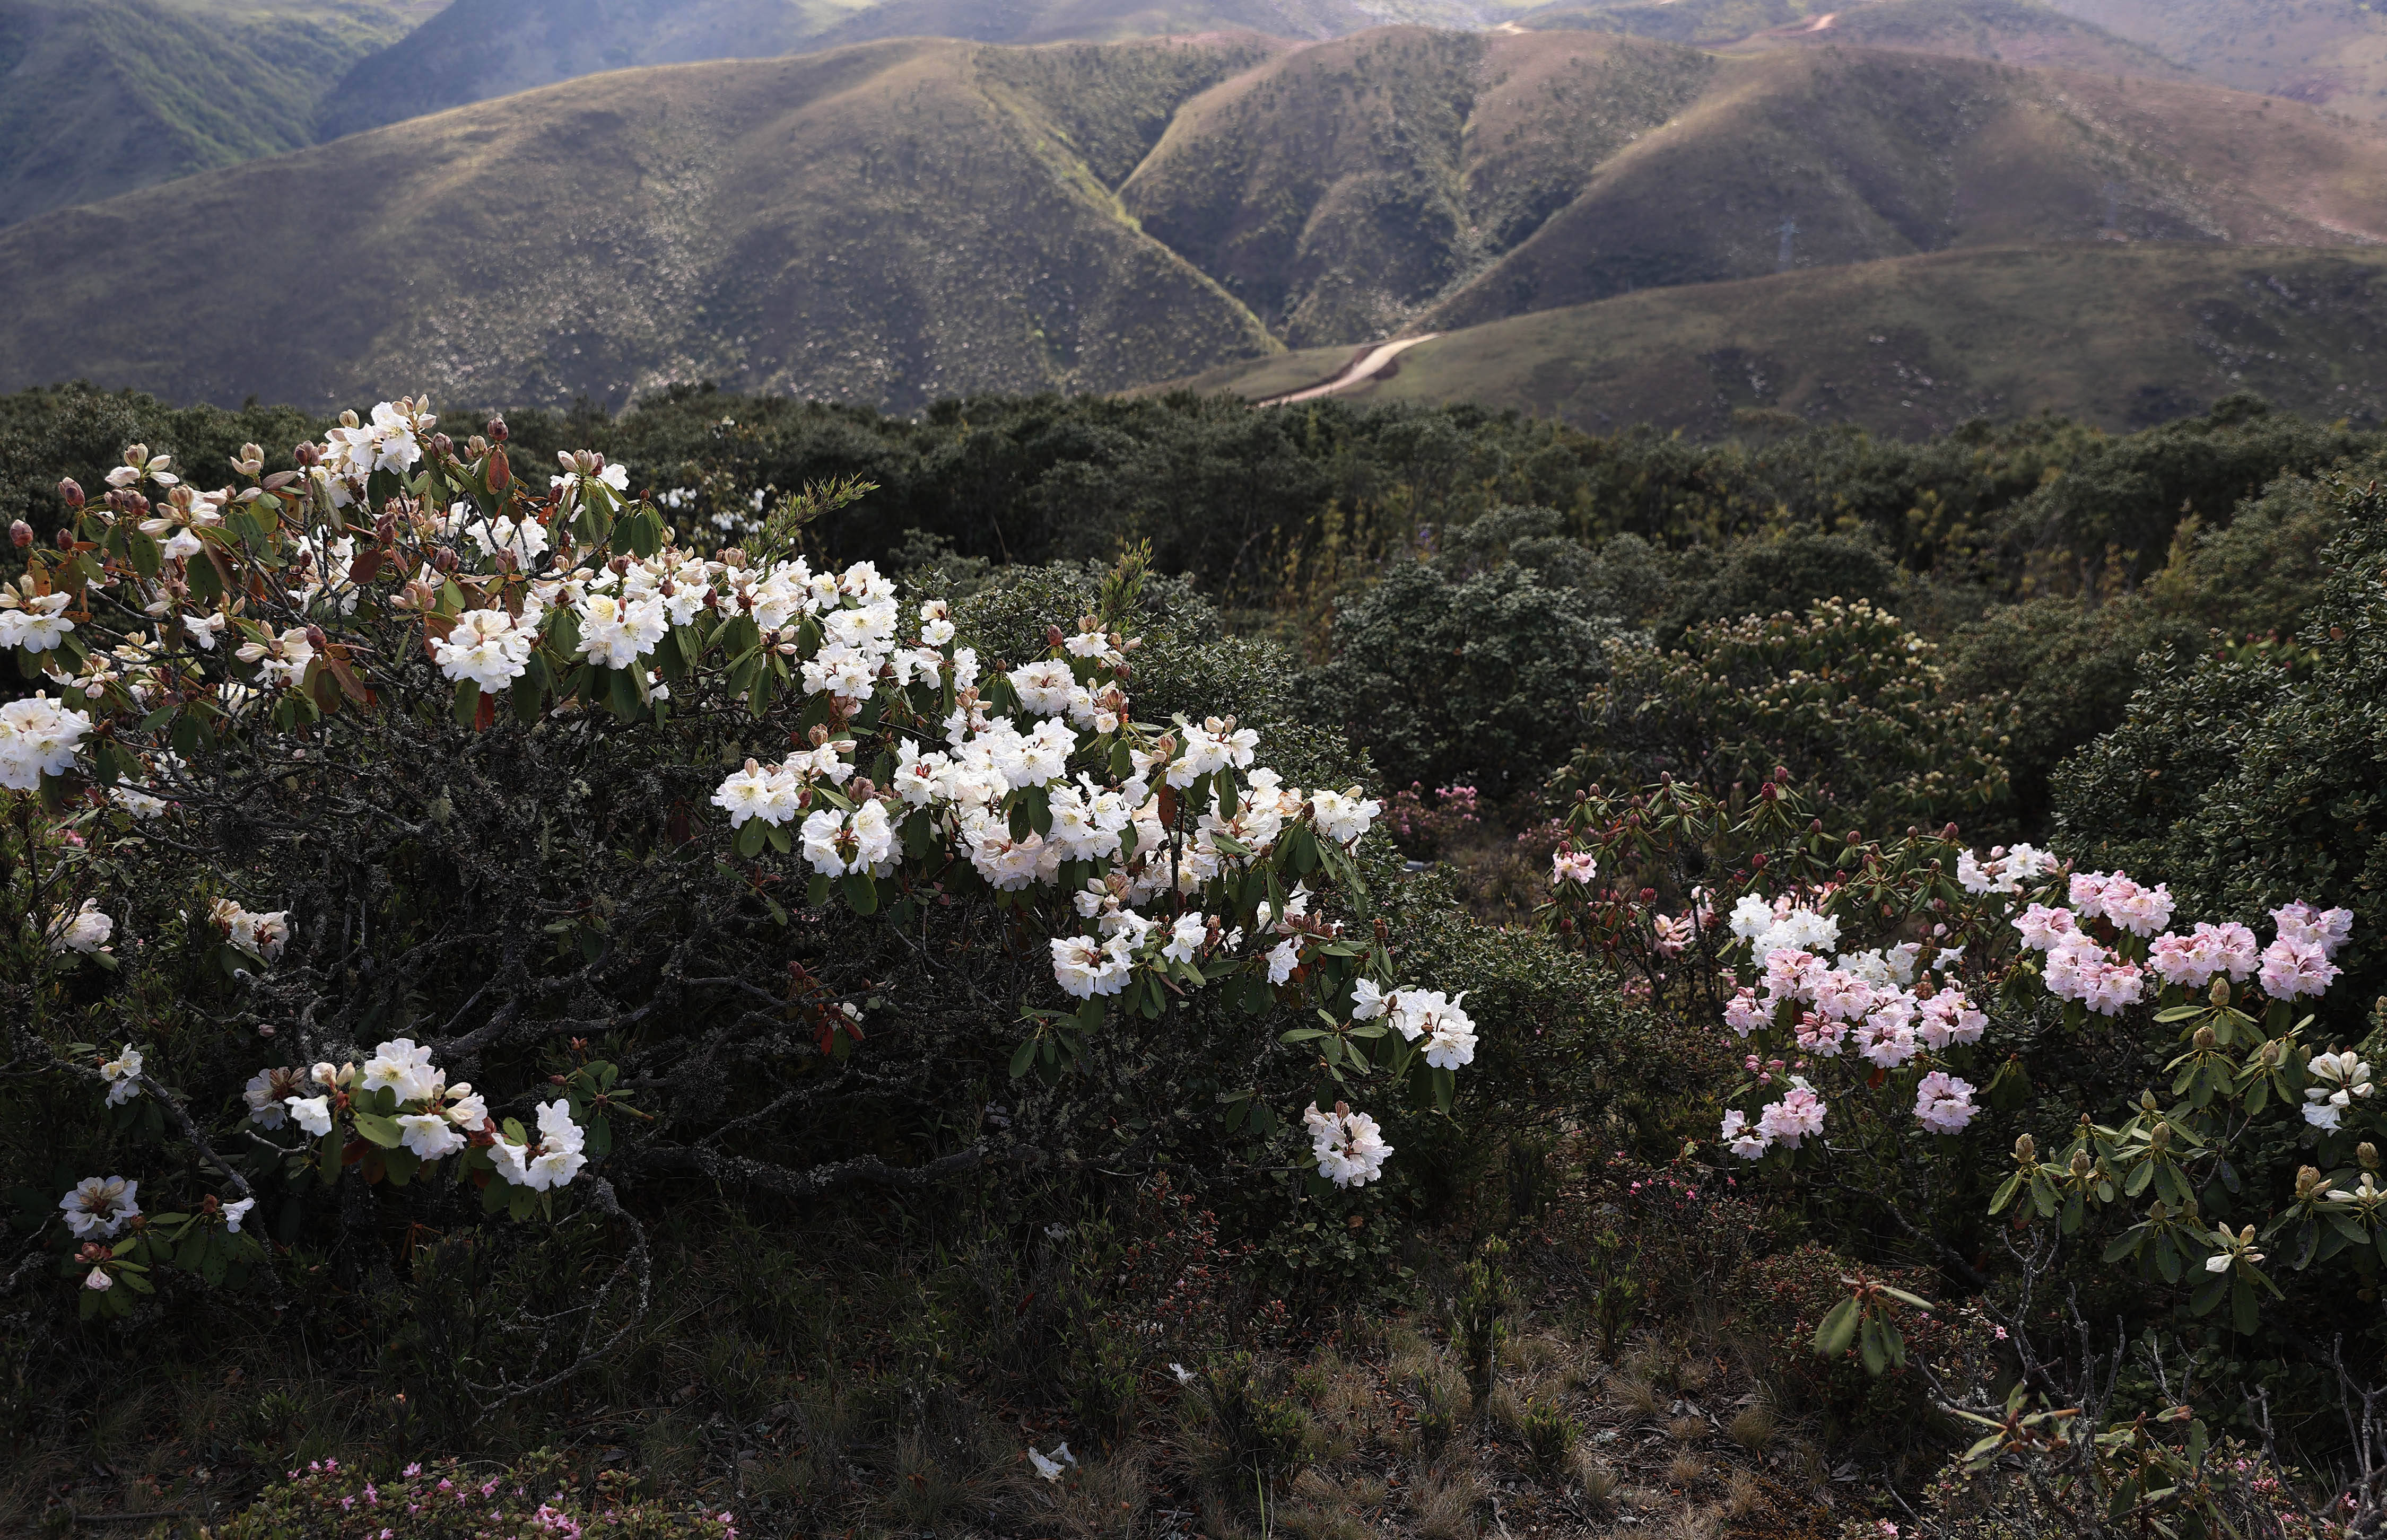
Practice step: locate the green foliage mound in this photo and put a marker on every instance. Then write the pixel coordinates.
(1847, 698)
(2248, 785)
(1448, 679)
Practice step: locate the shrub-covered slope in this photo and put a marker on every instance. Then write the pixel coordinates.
(891, 223)
(101, 96)
(1408, 177)
(2119, 335)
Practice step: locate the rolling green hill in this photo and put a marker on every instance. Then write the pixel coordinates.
(2119, 335)
(888, 222)
(2330, 52)
(101, 96)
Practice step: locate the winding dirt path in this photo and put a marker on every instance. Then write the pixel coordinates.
(1366, 366)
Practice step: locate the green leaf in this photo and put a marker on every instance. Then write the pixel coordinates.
(380, 1131)
(1872, 1346)
(1837, 1330)
(1022, 1057)
(861, 893)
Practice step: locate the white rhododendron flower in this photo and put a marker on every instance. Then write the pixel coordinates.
(487, 646)
(268, 1093)
(123, 1076)
(35, 621)
(38, 737)
(1741, 1139)
(87, 929)
(97, 1209)
(1350, 1149)
(312, 1114)
(264, 935)
(429, 1134)
(550, 1161)
(403, 1070)
(2337, 1080)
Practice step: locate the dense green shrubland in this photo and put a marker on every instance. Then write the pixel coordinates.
(2012, 629)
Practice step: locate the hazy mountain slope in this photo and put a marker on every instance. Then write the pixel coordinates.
(1698, 23)
(477, 50)
(1339, 188)
(2010, 31)
(101, 96)
(2117, 335)
(1051, 20)
(1412, 178)
(883, 224)
(2331, 53)
(1875, 155)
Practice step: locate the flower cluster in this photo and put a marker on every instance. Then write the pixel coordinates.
(1349, 1148)
(394, 564)
(1425, 1017)
(38, 735)
(550, 1161)
(84, 929)
(402, 1106)
(122, 1074)
(2101, 976)
(260, 935)
(98, 1208)
(1876, 1004)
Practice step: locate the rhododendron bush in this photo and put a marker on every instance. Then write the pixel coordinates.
(404, 820)
(1896, 1009)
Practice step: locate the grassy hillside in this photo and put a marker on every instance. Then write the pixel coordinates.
(893, 222)
(101, 96)
(1409, 178)
(2330, 52)
(2119, 335)
(2027, 33)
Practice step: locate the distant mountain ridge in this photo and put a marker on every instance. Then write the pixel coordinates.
(900, 222)
(101, 96)
(892, 221)
(477, 50)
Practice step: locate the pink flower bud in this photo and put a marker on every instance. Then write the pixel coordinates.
(71, 491)
(20, 534)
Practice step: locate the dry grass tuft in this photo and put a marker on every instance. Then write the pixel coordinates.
(1755, 1428)
(1596, 1479)
(1637, 1397)
(1444, 1503)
